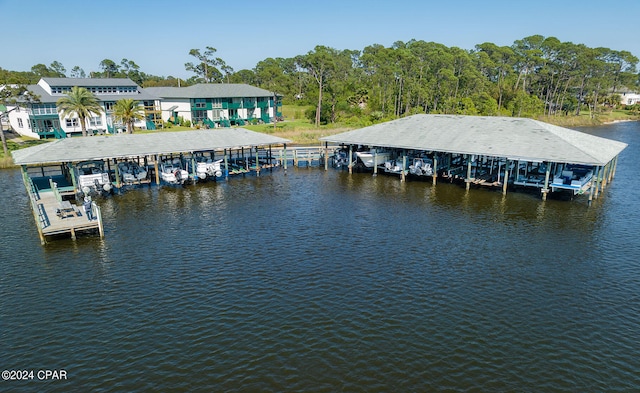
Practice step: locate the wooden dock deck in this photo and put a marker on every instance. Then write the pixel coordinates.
(55, 216)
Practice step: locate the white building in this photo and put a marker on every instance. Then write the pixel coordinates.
(629, 98)
(41, 119)
(217, 104)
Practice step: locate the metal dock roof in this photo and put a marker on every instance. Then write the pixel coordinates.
(132, 145)
(509, 137)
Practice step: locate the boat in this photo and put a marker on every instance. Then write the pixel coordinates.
(206, 167)
(373, 156)
(92, 178)
(171, 172)
(394, 166)
(575, 178)
(340, 158)
(131, 172)
(421, 167)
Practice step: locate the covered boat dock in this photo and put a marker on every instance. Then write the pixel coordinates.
(51, 176)
(499, 152)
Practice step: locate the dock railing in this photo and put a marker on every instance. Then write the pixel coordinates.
(39, 215)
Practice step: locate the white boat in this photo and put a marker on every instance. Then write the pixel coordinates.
(92, 177)
(131, 172)
(172, 173)
(371, 157)
(394, 166)
(206, 167)
(421, 167)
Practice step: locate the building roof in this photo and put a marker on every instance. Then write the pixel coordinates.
(88, 82)
(210, 90)
(134, 145)
(512, 138)
(46, 98)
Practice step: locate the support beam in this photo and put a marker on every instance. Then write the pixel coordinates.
(545, 190)
(506, 178)
(404, 165)
(350, 159)
(435, 169)
(226, 165)
(156, 168)
(284, 152)
(375, 163)
(468, 179)
(257, 163)
(326, 156)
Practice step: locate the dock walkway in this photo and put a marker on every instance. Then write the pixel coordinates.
(55, 216)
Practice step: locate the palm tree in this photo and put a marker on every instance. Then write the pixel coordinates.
(79, 102)
(128, 110)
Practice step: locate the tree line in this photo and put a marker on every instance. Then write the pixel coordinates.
(535, 76)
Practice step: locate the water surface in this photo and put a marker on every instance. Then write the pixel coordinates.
(325, 281)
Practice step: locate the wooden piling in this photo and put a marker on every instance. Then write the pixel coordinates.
(350, 159)
(156, 169)
(326, 156)
(468, 180)
(505, 181)
(375, 163)
(435, 169)
(545, 190)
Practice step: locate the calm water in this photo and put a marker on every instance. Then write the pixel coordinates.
(321, 281)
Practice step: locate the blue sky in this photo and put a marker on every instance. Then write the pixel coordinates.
(158, 35)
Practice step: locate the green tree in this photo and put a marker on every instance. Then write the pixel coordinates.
(127, 111)
(79, 102)
(320, 63)
(109, 68)
(206, 69)
(77, 72)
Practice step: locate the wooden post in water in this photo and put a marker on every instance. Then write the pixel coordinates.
(156, 169)
(375, 163)
(596, 182)
(545, 190)
(284, 151)
(98, 211)
(118, 185)
(326, 156)
(435, 168)
(603, 177)
(226, 165)
(505, 181)
(468, 179)
(350, 159)
(257, 163)
(404, 165)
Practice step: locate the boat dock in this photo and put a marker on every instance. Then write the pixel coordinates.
(56, 216)
(57, 179)
(483, 151)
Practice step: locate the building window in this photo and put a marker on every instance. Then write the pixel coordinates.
(108, 106)
(20, 125)
(95, 121)
(72, 122)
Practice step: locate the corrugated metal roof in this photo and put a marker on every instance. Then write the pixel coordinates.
(210, 90)
(133, 145)
(513, 138)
